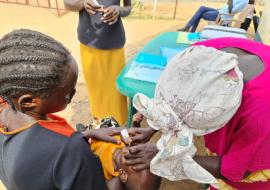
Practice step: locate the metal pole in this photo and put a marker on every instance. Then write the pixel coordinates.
(175, 9)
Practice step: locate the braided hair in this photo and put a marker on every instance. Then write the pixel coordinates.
(30, 62)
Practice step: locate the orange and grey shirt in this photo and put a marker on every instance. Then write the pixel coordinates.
(49, 155)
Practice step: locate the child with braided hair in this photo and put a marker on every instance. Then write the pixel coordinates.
(39, 150)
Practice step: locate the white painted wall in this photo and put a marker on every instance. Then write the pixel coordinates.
(264, 26)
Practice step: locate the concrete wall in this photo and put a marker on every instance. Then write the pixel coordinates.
(264, 26)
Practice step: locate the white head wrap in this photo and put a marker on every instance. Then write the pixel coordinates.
(199, 92)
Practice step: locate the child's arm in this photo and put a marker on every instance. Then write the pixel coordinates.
(104, 134)
(115, 184)
(139, 180)
(142, 180)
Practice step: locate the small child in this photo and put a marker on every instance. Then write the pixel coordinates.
(111, 156)
(40, 150)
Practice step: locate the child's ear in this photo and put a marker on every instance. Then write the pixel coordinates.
(27, 102)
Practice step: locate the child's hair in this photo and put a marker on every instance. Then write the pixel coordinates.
(30, 62)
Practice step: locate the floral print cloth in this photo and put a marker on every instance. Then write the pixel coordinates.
(198, 92)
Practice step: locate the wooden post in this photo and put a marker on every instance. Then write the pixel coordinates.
(154, 9)
(175, 9)
(57, 8)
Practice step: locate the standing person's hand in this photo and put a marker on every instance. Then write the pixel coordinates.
(141, 135)
(140, 156)
(91, 7)
(111, 14)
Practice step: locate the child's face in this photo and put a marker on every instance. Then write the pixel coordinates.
(61, 96)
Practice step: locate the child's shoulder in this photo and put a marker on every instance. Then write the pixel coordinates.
(57, 125)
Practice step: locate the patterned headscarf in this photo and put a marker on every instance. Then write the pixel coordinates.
(199, 92)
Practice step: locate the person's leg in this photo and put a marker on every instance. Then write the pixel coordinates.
(209, 15)
(256, 20)
(196, 17)
(195, 20)
(245, 25)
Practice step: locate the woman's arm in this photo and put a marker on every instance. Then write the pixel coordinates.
(74, 5)
(140, 156)
(126, 9)
(112, 13)
(211, 164)
(78, 5)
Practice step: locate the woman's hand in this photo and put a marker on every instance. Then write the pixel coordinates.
(111, 14)
(104, 134)
(140, 156)
(91, 7)
(141, 135)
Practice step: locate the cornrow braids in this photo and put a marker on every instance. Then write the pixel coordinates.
(30, 62)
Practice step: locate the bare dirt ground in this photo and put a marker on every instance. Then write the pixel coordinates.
(138, 32)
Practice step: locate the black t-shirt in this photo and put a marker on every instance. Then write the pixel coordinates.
(93, 32)
(49, 158)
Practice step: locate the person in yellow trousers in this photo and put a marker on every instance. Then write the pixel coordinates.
(102, 38)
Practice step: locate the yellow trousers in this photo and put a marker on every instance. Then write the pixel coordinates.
(100, 69)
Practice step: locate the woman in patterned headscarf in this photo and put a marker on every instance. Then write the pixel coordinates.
(239, 159)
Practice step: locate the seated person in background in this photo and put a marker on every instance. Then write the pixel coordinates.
(210, 14)
(256, 21)
(252, 17)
